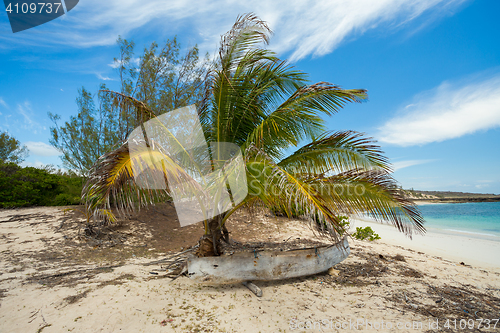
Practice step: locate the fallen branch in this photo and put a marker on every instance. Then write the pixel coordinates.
(162, 261)
(253, 288)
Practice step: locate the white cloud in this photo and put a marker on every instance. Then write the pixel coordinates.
(446, 112)
(2, 102)
(116, 63)
(104, 78)
(405, 164)
(484, 183)
(302, 27)
(36, 164)
(41, 149)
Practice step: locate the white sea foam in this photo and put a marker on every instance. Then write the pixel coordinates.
(471, 232)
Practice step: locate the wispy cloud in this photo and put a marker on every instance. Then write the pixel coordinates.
(302, 27)
(446, 112)
(23, 118)
(2, 103)
(24, 109)
(104, 78)
(480, 184)
(41, 149)
(405, 164)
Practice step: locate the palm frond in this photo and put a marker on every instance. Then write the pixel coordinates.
(299, 117)
(249, 98)
(356, 193)
(337, 152)
(369, 193)
(143, 112)
(276, 187)
(247, 31)
(131, 181)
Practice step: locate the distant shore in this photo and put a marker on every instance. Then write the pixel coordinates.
(449, 197)
(456, 200)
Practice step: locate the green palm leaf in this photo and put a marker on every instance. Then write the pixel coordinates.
(337, 152)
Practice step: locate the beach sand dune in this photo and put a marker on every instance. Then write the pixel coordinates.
(54, 278)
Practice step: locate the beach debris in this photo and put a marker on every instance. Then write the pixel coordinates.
(154, 273)
(399, 257)
(165, 322)
(253, 288)
(462, 263)
(464, 302)
(183, 270)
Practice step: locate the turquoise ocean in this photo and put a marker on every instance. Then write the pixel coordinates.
(474, 219)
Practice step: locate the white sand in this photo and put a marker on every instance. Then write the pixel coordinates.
(149, 303)
(455, 247)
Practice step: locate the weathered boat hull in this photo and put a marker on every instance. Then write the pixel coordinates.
(266, 265)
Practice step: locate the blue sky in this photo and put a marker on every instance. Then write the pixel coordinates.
(431, 67)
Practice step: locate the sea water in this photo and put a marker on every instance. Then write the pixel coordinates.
(476, 219)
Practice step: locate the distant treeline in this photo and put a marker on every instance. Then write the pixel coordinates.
(449, 196)
(29, 186)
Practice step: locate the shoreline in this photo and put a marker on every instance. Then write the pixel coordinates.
(454, 246)
(453, 200)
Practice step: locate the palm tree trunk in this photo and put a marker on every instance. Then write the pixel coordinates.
(210, 243)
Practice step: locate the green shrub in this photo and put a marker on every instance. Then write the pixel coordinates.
(28, 186)
(364, 233)
(65, 199)
(343, 221)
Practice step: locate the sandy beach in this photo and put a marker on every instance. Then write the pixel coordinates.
(453, 246)
(54, 279)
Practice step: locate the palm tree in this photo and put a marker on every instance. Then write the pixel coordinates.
(265, 106)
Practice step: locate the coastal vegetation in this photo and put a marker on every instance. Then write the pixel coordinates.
(11, 149)
(30, 186)
(365, 233)
(449, 196)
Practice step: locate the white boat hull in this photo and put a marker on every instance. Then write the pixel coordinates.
(266, 265)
